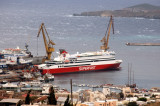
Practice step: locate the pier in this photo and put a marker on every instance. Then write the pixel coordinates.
(143, 44)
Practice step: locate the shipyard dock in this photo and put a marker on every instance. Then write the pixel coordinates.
(143, 44)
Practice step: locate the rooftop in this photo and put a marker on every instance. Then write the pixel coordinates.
(10, 100)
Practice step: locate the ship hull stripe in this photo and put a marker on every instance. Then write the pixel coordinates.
(80, 68)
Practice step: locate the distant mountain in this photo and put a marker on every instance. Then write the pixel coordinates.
(141, 10)
(145, 7)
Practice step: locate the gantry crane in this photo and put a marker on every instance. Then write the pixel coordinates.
(104, 40)
(48, 44)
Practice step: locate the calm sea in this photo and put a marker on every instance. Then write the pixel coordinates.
(21, 19)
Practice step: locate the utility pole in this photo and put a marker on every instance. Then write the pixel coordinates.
(131, 74)
(128, 75)
(71, 91)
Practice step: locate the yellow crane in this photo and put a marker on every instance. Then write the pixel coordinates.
(48, 44)
(104, 40)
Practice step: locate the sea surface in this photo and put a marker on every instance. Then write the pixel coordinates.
(20, 21)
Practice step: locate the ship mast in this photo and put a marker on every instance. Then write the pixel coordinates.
(104, 40)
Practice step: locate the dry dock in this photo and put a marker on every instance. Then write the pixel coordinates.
(143, 44)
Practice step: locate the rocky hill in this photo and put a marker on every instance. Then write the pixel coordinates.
(144, 7)
(142, 10)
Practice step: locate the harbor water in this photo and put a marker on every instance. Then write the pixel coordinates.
(20, 21)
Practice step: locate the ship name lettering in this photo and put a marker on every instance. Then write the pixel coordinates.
(87, 68)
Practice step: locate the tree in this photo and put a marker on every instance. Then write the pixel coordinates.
(129, 95)
(66, 103)
(19, 103)
(33, 98)
(121, 95)
(132, 104)
(142, 99)
(51, 98)
(153, 96)
(28, 99)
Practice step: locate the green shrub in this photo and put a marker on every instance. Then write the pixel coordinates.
(142, 99)
(132, 104)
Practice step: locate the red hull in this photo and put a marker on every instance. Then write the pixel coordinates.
(80, 68)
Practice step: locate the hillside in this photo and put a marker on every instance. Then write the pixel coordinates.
(142, 10)
(145, 7)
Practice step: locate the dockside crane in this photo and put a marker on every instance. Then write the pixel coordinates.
(104, 40)
(48, 44)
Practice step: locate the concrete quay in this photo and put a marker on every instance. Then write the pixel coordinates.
(143, 44)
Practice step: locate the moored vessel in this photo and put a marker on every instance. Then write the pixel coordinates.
(16, 52)
(80, 64)
(13, 58)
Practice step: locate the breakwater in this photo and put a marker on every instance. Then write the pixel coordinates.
(143, 44)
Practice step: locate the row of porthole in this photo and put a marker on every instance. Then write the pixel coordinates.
(60, 66)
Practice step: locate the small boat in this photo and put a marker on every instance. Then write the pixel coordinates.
(41, 79)
(74, 84)
(46, 87)
(1, 71)
(28, 75)
(83, 85)
(35, 83)
(49, 76)
(10, 87)
(46, 78)
(4, 82)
